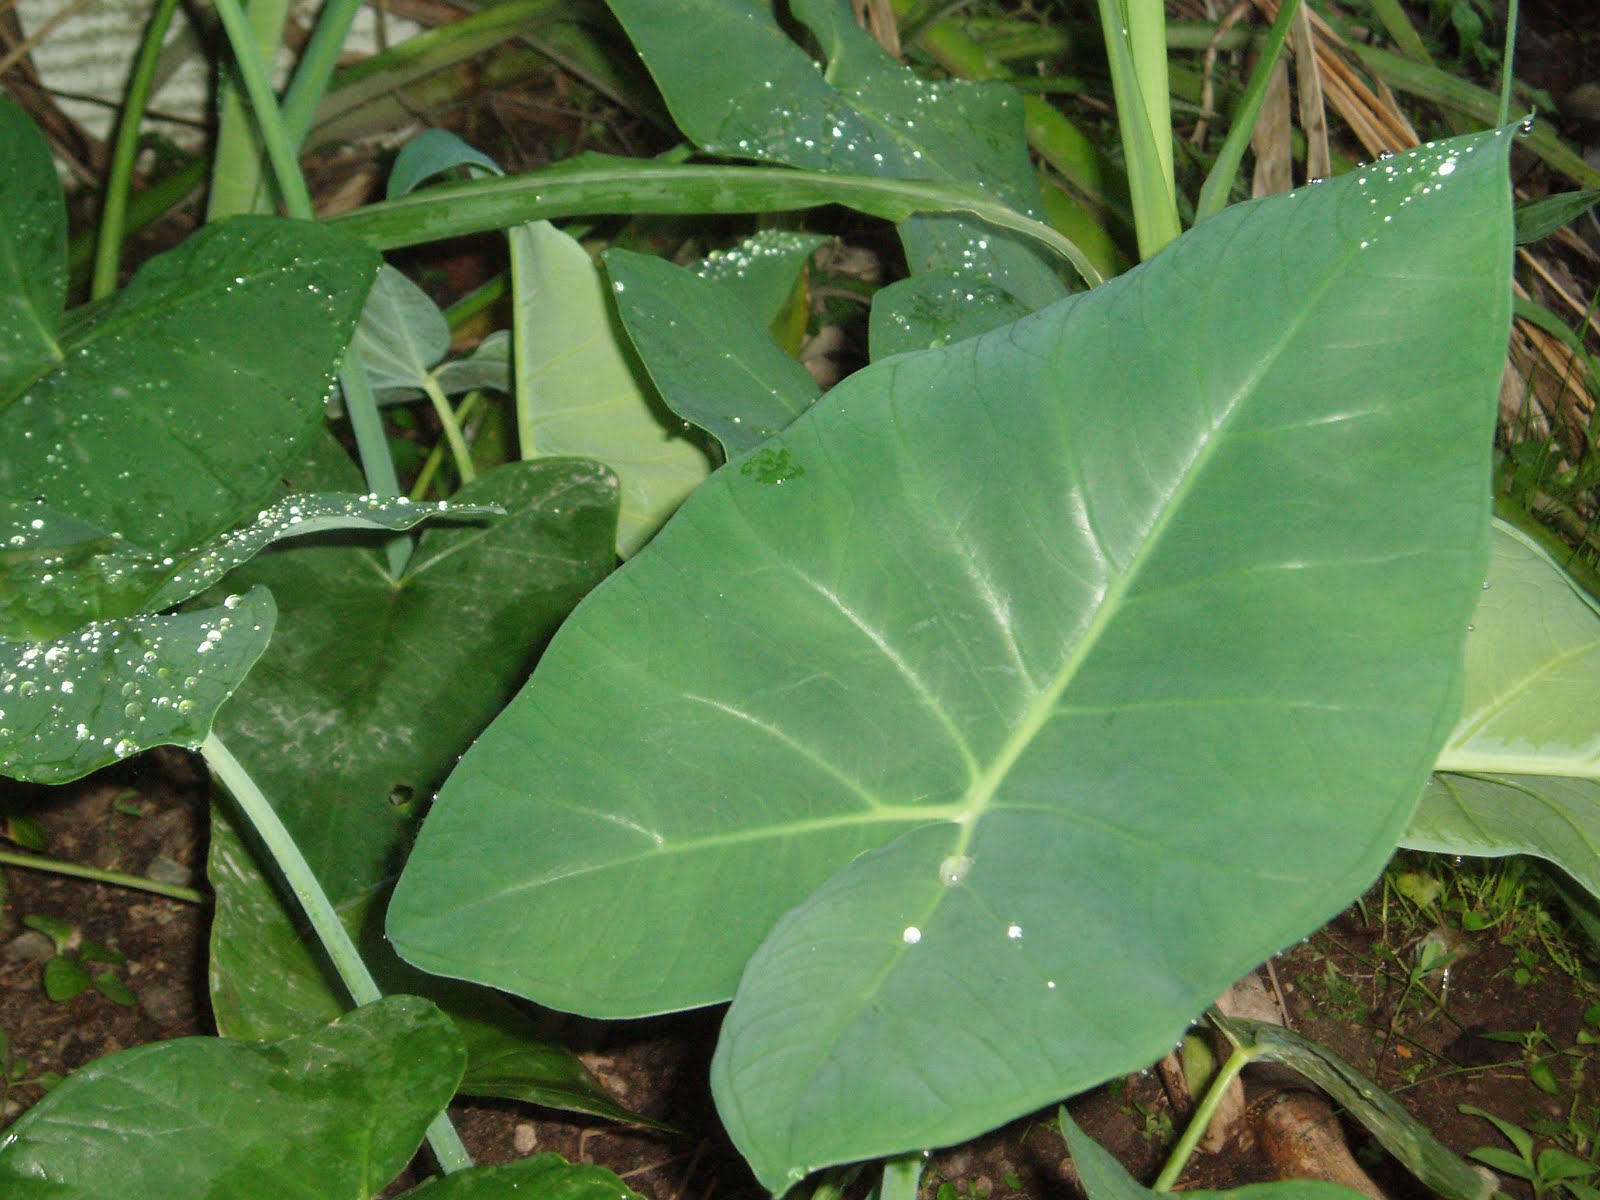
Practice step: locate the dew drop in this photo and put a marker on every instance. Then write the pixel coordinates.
(954, 869)
(911, 936)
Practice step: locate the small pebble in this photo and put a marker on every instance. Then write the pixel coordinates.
(164, 1003)
(169, 871)
(524, 1138)
(31, 945)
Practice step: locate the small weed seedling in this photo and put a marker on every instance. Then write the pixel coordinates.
(69, 972)
(1551, 1169)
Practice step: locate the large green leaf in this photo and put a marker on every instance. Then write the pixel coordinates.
(582, 389)
(363, 701)
(542, 1177)
(714, 363)
(1058, 650)
(330, 1115)
(1521, 772)
(33, 249)
(761, 96)
(174, 408)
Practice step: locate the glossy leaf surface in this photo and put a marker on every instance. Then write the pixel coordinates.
(542, 1177)
(761, 270)
(330, 1115)
(1521, 772)
(865, 114)
(267, 982)
(33, 249)
(127, 431)
(713, 362)
(82, 701)
(986, 637)
(574, 372)
(357, 711)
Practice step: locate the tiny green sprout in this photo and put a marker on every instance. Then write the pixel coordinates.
(1548, 1170)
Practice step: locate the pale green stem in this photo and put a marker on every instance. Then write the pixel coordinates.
(522, 401)
(316, 66)
(335, 938)
(435, 459)
(1214, 193)
(1237, 1061)
(372, 447)
(114, 213)
(452, 431)
(1147, 40)
(901, 1177)
(1150, 186)
(236, 171)
(33, 862)
(264, 106)
(1506, 73)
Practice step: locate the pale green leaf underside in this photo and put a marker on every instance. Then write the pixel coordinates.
(584, 396)
(1521, 772)
(330, 1115)
(1043, 665)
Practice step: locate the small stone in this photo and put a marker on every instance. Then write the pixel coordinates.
(164, 1003)
(168, 871)
(524, 1138)
(31, 946)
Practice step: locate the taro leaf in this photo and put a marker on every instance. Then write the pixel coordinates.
(762, 269)
(712, 361)
(585, 397)
(33, 250)
(76, 703)
(58, 573)
(401, 335)
(1104, 1178)
(488, 366)
(361, 706)
(329, 1115)
(173, 411)
(1521, 772)
(935, 309)
(267, 983)
(761, 96)
(1055, 649)
(430, 153)
(542, 1177)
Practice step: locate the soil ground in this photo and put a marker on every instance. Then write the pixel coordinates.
(1504, 1019)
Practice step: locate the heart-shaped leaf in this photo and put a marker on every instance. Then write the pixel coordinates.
(1030, 678)
(710, 358)
(330, 1115)
(126, 430)
(358, 709)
